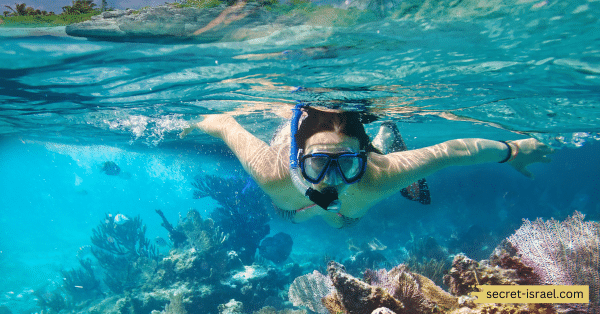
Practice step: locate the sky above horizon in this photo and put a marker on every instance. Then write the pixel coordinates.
(56, 5)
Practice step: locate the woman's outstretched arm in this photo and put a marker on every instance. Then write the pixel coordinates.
(394, 171)
(264, 163)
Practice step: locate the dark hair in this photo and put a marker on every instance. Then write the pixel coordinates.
(348, 123)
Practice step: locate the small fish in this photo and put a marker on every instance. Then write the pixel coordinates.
(120, 219)
(110, 168)
(276, 248)
(84, 251)
(160, 241)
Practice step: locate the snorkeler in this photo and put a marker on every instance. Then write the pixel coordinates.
(325, 165)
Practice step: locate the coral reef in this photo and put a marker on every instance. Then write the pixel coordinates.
(272, 310)
(515, 309)
(428, 258)
(242, 212)
(231, 307)
(203, 274)
(398, 291)
(177, 237)
(539, 252)
(199, 275)
(562, 253)
(201, 234)
(501, 269)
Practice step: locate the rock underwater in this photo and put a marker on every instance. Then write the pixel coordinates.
(220, 23)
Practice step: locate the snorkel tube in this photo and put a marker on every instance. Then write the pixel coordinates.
(328, 199)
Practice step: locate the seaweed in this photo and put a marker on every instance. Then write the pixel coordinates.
(242, 213)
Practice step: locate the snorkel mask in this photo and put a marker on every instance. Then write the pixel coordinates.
(328, 199)
(313, 168)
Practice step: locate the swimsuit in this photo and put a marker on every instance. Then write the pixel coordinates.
(289, 215)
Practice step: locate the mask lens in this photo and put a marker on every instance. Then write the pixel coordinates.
(314, 166)
(350, 166)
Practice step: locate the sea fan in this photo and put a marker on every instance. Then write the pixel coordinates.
(309, 290)
(562, 253)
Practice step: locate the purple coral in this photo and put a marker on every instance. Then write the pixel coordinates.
(562, 253)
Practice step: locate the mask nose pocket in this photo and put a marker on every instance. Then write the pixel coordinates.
(333, 175)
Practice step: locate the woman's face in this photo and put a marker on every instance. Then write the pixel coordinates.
(331, 142)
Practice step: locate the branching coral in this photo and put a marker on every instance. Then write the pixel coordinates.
(202, 234)
(118, 243)
(124, 238)
(201, 257)
(176, 236)
(242, 212)
(81, 283)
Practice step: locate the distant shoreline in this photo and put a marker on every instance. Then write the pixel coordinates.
(15, 31)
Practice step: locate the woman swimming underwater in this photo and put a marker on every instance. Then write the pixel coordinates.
(327, 166)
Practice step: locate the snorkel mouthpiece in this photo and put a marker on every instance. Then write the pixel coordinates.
(328, 199)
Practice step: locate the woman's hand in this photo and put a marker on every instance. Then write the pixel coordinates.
(212, 124)
(529, 151)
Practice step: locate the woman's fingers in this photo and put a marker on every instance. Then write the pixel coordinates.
(191, 128)
(186, 131)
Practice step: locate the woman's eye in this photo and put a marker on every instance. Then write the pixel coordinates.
(318, 162)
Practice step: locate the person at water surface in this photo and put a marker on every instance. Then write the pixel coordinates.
(325, 165)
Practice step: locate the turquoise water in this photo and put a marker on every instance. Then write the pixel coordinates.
(67, 105)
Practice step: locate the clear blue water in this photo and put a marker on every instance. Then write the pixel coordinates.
(67, 105)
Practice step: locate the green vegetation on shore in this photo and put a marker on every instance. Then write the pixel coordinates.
(81, 10)
(23, 16)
